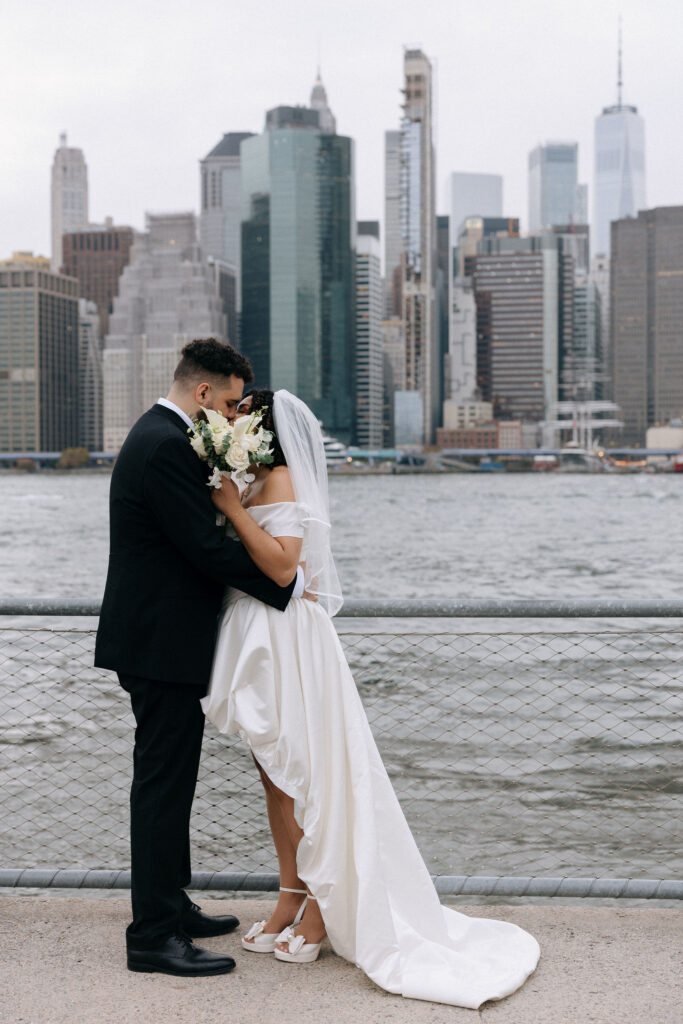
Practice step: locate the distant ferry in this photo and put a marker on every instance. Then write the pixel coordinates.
(578, 460)
(571, 459)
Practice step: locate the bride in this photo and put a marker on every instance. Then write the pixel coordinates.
(349, 866)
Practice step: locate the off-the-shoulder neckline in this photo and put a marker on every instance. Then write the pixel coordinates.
(271, 504)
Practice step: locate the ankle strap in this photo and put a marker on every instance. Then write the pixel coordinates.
(302, 892)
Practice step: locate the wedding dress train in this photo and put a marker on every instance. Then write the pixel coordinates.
(281, 680)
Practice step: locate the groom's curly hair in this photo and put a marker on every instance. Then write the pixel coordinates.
(262, 401)
(208, 357)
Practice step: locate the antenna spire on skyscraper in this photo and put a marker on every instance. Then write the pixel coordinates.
(619, 77)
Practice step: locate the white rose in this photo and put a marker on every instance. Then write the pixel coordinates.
(219, 435)
(197, 442)
(237, 457)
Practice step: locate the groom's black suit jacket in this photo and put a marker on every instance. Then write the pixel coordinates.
(169, 564)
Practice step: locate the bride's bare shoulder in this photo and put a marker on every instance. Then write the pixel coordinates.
(278, 485)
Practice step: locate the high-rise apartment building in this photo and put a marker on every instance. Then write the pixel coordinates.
(39, 357)
(167, 296)
(369, 353)
(474, 195)
(619, 189)
(555, 197)
(418, 232)
(221, 209)
(646, 352)
(298, 263)
(393, 239)
(69, 197)
(97, 255)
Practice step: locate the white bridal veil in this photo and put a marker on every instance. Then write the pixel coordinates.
(301, 440)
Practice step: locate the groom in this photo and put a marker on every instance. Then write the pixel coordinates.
(168, 568)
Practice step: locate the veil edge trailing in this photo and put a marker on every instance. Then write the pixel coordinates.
(301, 440)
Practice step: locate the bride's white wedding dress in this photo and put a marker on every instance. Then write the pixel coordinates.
(280, 680)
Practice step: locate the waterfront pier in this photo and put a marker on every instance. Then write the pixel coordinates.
(535, 748)
(64, 963)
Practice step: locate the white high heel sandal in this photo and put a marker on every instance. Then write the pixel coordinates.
(298, 950)
(264, 942)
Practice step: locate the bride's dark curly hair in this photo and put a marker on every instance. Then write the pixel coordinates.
(262, 401)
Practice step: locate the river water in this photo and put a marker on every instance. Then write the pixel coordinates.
(469, 535)
(515, 748)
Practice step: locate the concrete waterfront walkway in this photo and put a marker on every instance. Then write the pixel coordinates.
(62, 962)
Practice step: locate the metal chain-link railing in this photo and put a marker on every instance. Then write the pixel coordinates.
(528, 753)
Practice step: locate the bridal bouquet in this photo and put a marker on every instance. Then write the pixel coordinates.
(230, 448)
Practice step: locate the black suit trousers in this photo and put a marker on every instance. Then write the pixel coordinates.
(168, 740)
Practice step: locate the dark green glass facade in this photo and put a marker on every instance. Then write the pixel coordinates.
(298, 286)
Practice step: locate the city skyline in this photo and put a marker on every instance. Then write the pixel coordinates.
(561, 76)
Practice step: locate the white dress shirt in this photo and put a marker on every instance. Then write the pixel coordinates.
(299, 585)
(180, 412)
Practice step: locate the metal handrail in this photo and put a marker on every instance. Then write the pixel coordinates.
(446, 885)
(433, 608)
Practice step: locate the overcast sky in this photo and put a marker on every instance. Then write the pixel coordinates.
(147, 87)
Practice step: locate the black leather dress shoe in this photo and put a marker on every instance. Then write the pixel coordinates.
(200, 926)
(179, 955)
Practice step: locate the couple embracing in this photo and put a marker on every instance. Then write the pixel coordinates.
(237, 627)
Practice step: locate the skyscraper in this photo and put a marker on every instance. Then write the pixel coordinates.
(472, 231)
(97, 255)
(461, 363)
(523, 323)
(221, 208)
(298, 263)
(647, 312)
(555, 197)
(583, 365)
(69, 197)
(39, 358)
(369, 353)
(167, 296)
(599, 276)
(393, 243)
(619, 189)
(90, 376)
(474, 195)
(418, 233)
(326, 119)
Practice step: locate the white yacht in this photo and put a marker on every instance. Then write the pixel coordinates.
(336, 454)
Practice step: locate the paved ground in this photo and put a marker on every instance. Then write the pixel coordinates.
(62, 962)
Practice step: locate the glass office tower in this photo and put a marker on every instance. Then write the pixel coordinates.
(553, 185)
(619, 170)
(298, 267)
